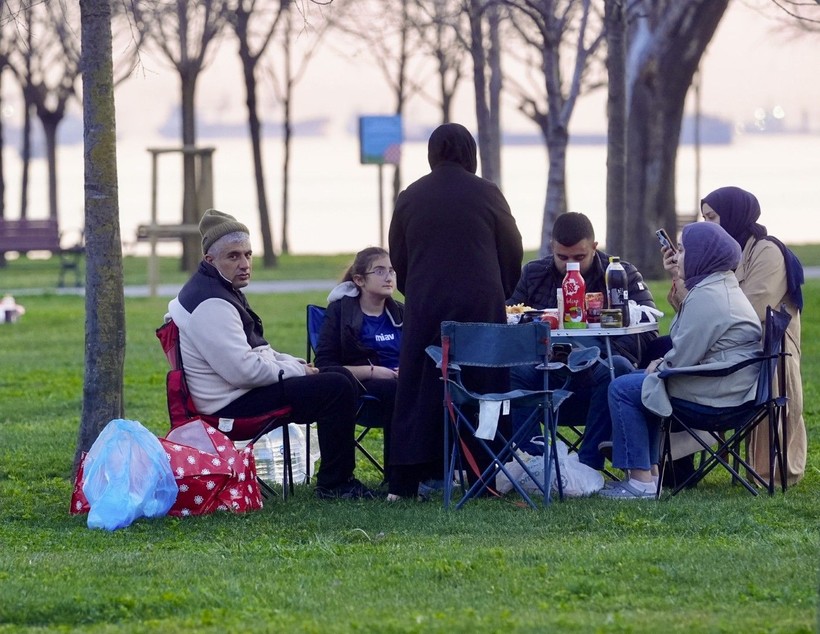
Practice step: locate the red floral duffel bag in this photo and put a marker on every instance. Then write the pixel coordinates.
(211, 473)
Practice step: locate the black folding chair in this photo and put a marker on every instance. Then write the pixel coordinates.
(728, 431)
(365, 418)
(485, 345)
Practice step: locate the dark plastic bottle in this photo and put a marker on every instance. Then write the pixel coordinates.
(617, 288)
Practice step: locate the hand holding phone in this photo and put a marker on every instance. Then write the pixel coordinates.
(665, 240)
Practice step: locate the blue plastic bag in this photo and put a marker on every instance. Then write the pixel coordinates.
(127, 475)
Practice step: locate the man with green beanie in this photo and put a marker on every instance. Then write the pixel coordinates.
(232, 371)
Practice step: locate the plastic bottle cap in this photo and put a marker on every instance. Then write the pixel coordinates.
(573, 266)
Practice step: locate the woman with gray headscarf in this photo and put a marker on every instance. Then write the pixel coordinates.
(716, 325)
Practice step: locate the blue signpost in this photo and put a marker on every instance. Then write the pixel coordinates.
(380, 138)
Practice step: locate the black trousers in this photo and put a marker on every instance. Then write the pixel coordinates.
(328, 398)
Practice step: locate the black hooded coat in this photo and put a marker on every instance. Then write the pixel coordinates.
(457, 253)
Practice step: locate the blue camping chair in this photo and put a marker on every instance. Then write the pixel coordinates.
(365, 415)
(484, 345)
(728, 431)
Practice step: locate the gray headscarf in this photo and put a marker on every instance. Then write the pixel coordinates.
(452, 143)
(707, 249)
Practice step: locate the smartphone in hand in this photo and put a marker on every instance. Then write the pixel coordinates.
(665, 240)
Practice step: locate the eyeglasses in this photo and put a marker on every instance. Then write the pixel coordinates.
(382, 271)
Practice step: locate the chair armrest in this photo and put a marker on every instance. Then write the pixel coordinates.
(720, 371)
(434, 352)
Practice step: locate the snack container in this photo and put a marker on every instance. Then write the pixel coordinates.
(612, 318)
(552, 317)
(595, 304)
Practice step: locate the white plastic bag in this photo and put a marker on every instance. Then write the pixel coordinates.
(637, 312)
(534, 463)
(577, 479)
(127, 475)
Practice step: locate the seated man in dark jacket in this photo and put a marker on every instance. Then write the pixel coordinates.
(573, 240)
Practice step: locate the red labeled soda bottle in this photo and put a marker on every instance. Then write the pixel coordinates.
(574, 290)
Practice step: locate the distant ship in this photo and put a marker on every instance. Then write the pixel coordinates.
(205, 129)
(713, 131)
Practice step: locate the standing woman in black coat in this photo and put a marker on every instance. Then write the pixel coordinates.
(457, 254)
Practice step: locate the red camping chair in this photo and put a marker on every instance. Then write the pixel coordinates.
(181, 409)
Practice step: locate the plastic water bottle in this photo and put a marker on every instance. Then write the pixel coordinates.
(574, 291)
(617, 288)
(269, 454)
(263, 454)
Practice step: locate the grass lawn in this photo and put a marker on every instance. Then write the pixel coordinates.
(710, 560)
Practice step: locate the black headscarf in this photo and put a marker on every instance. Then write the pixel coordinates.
(452, 143)
(738, 211)
(707, 249)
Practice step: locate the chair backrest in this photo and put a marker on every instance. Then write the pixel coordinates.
(181, 407)
(168, 335)
(495, 345)
(314, 318)
(774, 333)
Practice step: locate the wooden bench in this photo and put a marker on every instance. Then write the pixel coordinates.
(25, 234)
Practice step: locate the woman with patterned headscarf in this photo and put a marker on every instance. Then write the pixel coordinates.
(769, 274)
(715, 326)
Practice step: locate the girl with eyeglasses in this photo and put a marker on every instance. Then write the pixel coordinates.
(362, 332)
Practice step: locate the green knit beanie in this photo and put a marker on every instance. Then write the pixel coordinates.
(215, 224)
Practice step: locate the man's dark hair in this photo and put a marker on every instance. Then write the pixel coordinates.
(571, 227)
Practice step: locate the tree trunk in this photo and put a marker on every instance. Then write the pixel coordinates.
(25, 155)
(255, 128)
(191, 245)
(2, 163)
(557, 139)
(493, 153)
(656, 108)
(286, 147)
(616, 157)
(104, 301)
(50, 121)
(483, 112)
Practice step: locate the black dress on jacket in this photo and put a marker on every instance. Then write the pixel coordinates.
(457, 252)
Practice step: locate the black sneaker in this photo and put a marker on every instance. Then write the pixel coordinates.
(350, 490)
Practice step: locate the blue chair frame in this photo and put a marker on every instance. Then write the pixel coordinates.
(731, 429)
(489, 345)
(314, 318)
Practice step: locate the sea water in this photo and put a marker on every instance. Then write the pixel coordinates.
(334, 200)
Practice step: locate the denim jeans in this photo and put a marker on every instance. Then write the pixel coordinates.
(588, 404)
(635, 430)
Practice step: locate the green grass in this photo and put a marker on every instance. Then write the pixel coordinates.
(709, 560)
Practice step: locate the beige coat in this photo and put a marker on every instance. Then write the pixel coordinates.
(762, 277)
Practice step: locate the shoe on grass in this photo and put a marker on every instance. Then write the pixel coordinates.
(350, 490)
(624, 490)
(429, 487)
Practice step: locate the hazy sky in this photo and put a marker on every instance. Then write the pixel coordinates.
(751, 62)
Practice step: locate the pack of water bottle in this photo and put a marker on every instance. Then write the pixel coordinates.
(269, 454)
